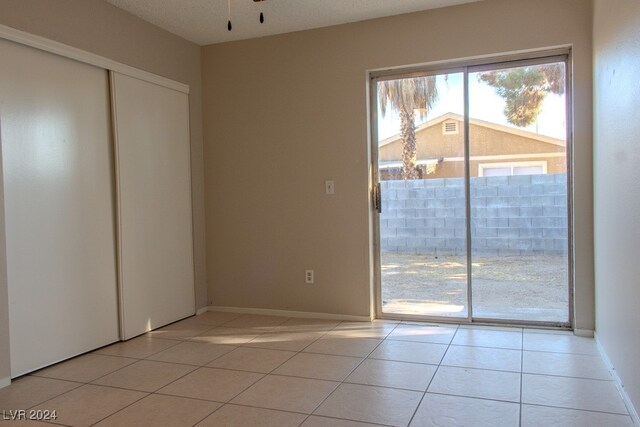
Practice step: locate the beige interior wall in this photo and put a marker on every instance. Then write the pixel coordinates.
(100, 28)
(284, 113)
(617, 196)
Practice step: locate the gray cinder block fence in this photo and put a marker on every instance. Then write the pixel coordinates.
(510, 215)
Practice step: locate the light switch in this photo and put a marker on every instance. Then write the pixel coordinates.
(330, 187)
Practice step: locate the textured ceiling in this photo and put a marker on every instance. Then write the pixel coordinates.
(205, 21)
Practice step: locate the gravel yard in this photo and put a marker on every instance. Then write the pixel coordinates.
(518, 287)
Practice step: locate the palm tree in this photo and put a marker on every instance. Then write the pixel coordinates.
(524, 89)
(406, 96)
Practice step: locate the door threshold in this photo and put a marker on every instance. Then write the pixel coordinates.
(552, 326)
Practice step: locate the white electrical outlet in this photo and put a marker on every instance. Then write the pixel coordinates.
(308, 276)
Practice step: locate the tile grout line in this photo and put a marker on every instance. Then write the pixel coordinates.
(566, 376)
(393, 388)
(93, 382)
(191, 339)
(80, 384)
(55, 423)
(439, 393)
(267, 374)
(241, 370)
(590, 411)
(208, 415)
(301, 351)
(322, 336)
(264, 375)
(196, 366)
(346, 419)
(152, 392)
(272, 370)
(121, 409)
(323, 400)
(342, 382)
(155, 392)
(97, 378)
(149, 393)
(233, 397)
(434, 393)
(433, 377)
(194, 370)
(177, 342)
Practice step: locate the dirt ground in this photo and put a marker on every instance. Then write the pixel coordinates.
(518, 287)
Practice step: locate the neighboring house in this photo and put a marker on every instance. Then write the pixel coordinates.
(494, 150)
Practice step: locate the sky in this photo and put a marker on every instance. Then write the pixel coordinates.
(484, 104)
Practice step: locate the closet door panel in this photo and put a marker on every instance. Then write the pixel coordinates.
(154, 191)
(59, 206)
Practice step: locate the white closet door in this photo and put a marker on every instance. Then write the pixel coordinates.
(154, 192)
(59, 206)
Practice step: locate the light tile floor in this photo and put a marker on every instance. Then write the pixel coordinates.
(224, 369)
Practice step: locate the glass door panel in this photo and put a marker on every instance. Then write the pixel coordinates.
(518, 193)
(421, 170)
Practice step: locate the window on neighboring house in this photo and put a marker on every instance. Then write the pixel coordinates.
(512, 168)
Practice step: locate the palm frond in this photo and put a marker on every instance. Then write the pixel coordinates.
(405, 95)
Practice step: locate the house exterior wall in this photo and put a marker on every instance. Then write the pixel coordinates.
(456, 169)
(484, 141)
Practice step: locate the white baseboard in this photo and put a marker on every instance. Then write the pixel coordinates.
(289, 313)
(587, 333)
(202, 310)
(5, 382)
(619, 384)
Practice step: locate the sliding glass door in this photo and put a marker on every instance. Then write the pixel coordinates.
(423, 217)
(471, 165)
(518, 197)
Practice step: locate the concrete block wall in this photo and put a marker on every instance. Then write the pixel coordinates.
(510, 215)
